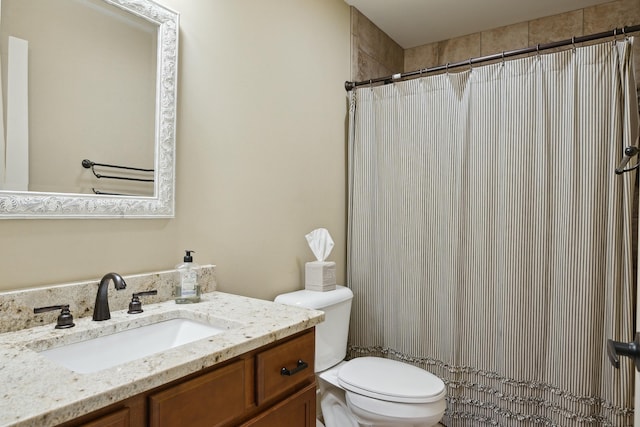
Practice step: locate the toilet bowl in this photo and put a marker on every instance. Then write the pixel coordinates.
(365, 391)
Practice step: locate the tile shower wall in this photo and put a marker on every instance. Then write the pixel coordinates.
(374, 54)
(591, 20)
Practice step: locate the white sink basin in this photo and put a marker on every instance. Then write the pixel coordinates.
(107, 351)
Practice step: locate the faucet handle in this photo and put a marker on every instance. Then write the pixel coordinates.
(135, 306)
(65, 319)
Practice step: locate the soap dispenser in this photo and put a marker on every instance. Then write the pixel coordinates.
(187, 290)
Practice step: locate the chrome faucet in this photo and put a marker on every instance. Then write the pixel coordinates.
(101, 308)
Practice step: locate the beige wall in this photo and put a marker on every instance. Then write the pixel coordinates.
(260, 157)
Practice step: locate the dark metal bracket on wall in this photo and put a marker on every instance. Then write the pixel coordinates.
(615, 349)
(629, 152)
(624, 31)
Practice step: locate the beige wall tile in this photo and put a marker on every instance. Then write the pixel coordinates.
(607, 16)
(355, 66)
(616, 14)
(354, 16)
(459, 49)
(504, 38)
(370, 68)
(378, 45)
(421, 57)
(636, 61)
(557, 27)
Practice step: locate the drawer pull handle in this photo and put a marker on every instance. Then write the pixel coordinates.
(301, 365)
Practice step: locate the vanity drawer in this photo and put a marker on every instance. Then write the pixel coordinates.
(296, 357)
(116, 419)
(213, 399)
(299, 410)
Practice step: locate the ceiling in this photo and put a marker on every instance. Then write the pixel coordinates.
(412, 23)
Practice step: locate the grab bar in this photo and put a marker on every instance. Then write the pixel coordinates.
(104, 193)
(89, 164)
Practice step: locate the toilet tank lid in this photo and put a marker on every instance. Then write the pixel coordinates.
(390, 380)
(315, 299)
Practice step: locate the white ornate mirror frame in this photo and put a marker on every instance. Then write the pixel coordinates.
(21, 204)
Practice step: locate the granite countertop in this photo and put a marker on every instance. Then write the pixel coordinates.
(36, 391)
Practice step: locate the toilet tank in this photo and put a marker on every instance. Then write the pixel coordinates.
(331, 335)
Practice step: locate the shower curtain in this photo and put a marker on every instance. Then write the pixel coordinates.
(489, 240)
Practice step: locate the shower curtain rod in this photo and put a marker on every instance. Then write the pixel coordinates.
(624, 31)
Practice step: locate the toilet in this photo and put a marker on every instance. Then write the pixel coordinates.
(365, 391)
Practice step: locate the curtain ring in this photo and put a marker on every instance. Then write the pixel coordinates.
(503, 57)
(470, 64)
(446, 68)
(573, 43)
(624, 33)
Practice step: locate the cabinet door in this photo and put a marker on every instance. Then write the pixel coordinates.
(270, 380)
(116, 419)
(213, 399)
(299, 410)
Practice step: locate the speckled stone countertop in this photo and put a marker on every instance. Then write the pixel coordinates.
(37, 392)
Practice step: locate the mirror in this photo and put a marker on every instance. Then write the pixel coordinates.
(99, 85)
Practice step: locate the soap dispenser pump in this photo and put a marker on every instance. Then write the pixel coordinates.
(187, 290)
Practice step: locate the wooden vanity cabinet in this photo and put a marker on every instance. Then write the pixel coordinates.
(121, 418)
(249, 390)
(128, 413)
(271, 382)
(212, 399)
(298, 410)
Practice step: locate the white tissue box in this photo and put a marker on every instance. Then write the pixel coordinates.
(320, 288)
(320, 276)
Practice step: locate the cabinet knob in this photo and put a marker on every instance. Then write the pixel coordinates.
(299, 367)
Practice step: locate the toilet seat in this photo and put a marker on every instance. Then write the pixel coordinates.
(390, 381)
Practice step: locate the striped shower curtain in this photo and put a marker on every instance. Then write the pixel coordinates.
(489, 240)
